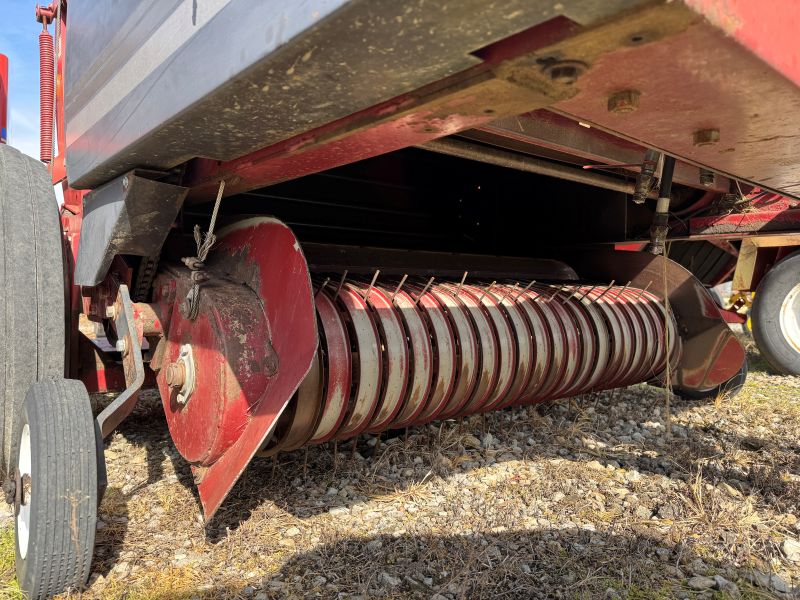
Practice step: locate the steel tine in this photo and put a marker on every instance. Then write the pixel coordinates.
(341, 283)
(525, 289)
(425, 289)
(643, 290)
(371, 284)
(322, 287)
(589, 291)
(399, 285)
(605, 291)
(622, 291)
(554, 294)
(572, 295)
(487, 290)
(463, 279)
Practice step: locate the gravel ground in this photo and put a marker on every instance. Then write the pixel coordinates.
(590, 497)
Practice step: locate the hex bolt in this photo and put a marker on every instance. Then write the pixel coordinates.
(175, 375)
(566, 75)
(623, 102)
(706, 177)
(706, 137)
(565, 72)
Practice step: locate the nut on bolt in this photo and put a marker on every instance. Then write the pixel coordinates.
(175, 375)
(705, 137)
(624, 101)
(565, 72)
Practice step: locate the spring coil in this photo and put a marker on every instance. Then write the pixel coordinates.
(46, 96)
(392, 358)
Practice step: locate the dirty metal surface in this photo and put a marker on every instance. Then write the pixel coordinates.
(550, 134)
(710, 354)
(309, 62)
(595, 358)
(129, 215)
(253, 342)
(130, 333)
(693, 102)
(746, 223)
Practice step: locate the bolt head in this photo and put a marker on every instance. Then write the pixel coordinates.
(623, 102)
(565, 72)
(175, 375)
(706, 137)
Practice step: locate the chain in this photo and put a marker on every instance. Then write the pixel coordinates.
(196, 264)
(144, 277)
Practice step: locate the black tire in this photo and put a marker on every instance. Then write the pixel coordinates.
(62, 495)
(781, 282)
(728, 389)
(32, 329)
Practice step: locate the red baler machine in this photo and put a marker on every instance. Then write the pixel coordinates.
(308, 221)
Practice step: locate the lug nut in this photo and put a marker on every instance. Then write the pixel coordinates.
(175, 375)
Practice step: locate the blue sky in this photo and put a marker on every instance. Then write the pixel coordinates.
(19, 40)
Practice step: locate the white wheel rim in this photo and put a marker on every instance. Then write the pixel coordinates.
(790, 317)
(24, 513)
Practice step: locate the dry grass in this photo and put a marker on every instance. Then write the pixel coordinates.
(583, 498)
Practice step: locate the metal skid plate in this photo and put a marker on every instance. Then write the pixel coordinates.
(129, 215)
(253, 342)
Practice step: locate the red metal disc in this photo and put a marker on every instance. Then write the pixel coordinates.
(601, 337)
(445, 355)
(586, 341)
(421, 365)
(488, 365)
(625, 297)
(337, 368)
(619, 337)
(552, 376)
(523, 341)
(506, 345)
(395, 356)
(468, 356)
(565, 322)
(633, 319)
(542, 339)
(365, 348)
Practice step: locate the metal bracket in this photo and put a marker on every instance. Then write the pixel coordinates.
(130, 333)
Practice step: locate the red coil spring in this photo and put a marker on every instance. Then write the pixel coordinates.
(46, 96)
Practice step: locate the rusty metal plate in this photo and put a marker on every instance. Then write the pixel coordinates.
(337, 368)
(489, 356)
(468, 358)
(263, 254)
(395, 358)
(422, 359)
(506, 345)
(445, 357)
(523, 342)
(366, 357)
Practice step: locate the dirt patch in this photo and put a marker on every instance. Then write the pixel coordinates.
(582, 498)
